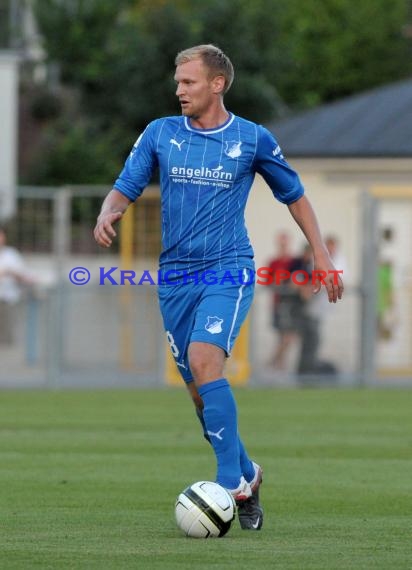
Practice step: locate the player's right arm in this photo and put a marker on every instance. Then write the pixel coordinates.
(114, 206)
(134, 177)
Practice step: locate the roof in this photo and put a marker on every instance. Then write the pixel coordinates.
(375, 123)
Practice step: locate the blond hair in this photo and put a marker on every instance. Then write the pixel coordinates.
(213, 58)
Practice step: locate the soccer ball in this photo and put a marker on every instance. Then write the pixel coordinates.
(205, 510)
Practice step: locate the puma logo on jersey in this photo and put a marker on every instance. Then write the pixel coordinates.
(178, 144)
(216, 434)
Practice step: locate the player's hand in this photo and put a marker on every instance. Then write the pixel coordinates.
(325, 274)
(104, 231)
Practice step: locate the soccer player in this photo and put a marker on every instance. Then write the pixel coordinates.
(207, 160)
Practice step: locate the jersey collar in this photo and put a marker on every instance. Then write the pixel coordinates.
(218, 129)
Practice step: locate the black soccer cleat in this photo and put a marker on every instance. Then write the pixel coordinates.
(249, 511)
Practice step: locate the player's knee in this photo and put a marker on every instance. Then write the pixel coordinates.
(204, 369)
(198, 366)
(206, 361)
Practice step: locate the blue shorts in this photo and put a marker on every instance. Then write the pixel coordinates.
(205, 310)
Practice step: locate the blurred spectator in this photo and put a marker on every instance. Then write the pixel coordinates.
(385, 290)
(308, 314)
(337, 257)
(306, 319)
(283, 301)
(13, 276)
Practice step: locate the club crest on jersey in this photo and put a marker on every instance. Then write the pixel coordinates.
(214, 325)
(232, 148)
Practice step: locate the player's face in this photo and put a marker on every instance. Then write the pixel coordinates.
(195, 89)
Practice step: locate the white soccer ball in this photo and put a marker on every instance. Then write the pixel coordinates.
(205, 510)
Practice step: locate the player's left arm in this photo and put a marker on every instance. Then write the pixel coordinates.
(287, 188)
(305, 217)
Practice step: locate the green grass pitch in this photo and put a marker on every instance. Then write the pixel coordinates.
(88, 480)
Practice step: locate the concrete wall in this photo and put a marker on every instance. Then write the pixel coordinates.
(335, 189)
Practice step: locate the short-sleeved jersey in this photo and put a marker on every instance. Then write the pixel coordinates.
(205, 180)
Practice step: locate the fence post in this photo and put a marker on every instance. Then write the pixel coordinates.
(61, 248)
(126, 293)
(368, 289)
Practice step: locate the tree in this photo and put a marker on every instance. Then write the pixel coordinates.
(118, 59)
(334, 48)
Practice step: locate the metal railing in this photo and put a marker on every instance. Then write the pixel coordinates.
(97, 335)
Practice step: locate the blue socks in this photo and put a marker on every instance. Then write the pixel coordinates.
(219, 421)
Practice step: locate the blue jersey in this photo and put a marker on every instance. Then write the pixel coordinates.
(205, 180)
